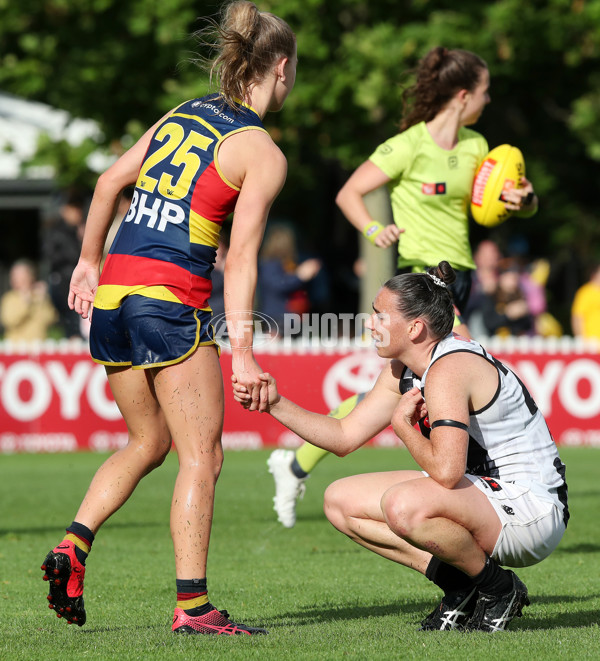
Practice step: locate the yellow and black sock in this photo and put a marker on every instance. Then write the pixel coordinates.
(83, 539)
(192, 596)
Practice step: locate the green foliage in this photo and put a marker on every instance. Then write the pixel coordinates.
(320, 595)
(69, 162)
(100, 59)
(124, 63)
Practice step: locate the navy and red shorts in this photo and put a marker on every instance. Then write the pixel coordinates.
(146, 332)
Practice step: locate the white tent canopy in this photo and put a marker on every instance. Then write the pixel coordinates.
(21, 124)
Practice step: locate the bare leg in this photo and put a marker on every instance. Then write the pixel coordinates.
(353, 506)
(191, 397)
(149, 443)
(458, 526)
(407, 518)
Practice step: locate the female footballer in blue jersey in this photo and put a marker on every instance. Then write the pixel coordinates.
(429, 169)
(151, 319)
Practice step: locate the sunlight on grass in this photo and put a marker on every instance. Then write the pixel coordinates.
(320, 595)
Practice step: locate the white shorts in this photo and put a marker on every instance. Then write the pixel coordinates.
(532, 523)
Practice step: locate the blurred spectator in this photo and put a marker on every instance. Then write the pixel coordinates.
(487, 257)
(533, 283)
(282, 281)
(506, 310)
(534, 279)
(61, 245)
(25, 309)
(585, 311)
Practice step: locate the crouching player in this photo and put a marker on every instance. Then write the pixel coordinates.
(492, 490)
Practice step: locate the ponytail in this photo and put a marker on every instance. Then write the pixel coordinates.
(441, 73)
(249, 43)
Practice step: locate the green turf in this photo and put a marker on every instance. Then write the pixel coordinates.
(320, 595)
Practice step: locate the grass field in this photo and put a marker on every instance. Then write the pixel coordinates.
(320, 595)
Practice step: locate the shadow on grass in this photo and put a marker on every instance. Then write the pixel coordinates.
(101, 630)
(578, 548)
(415, 611)
(577, 620)
(562, 599)
(573, 619)
(57, 529)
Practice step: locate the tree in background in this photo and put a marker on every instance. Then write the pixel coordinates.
(125, 62)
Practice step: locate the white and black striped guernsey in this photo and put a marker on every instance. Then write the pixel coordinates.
(509, 438)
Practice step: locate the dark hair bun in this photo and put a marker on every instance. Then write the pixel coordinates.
(444, 272)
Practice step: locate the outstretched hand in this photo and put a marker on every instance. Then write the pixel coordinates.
(82, 289)
(241, 394)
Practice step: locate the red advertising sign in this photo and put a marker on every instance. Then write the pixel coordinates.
(58, 399)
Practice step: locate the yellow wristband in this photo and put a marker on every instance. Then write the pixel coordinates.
(372, 230)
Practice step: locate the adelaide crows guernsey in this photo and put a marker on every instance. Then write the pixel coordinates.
(166, 245)
(430, 192)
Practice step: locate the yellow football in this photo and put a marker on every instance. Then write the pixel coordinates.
(500, 170)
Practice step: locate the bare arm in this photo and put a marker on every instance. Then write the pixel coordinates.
(253, 159)
(365, 179)
(340, 436)
(124, 172)
(456, 384)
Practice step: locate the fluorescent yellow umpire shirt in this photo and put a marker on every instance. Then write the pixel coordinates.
(430, 191)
